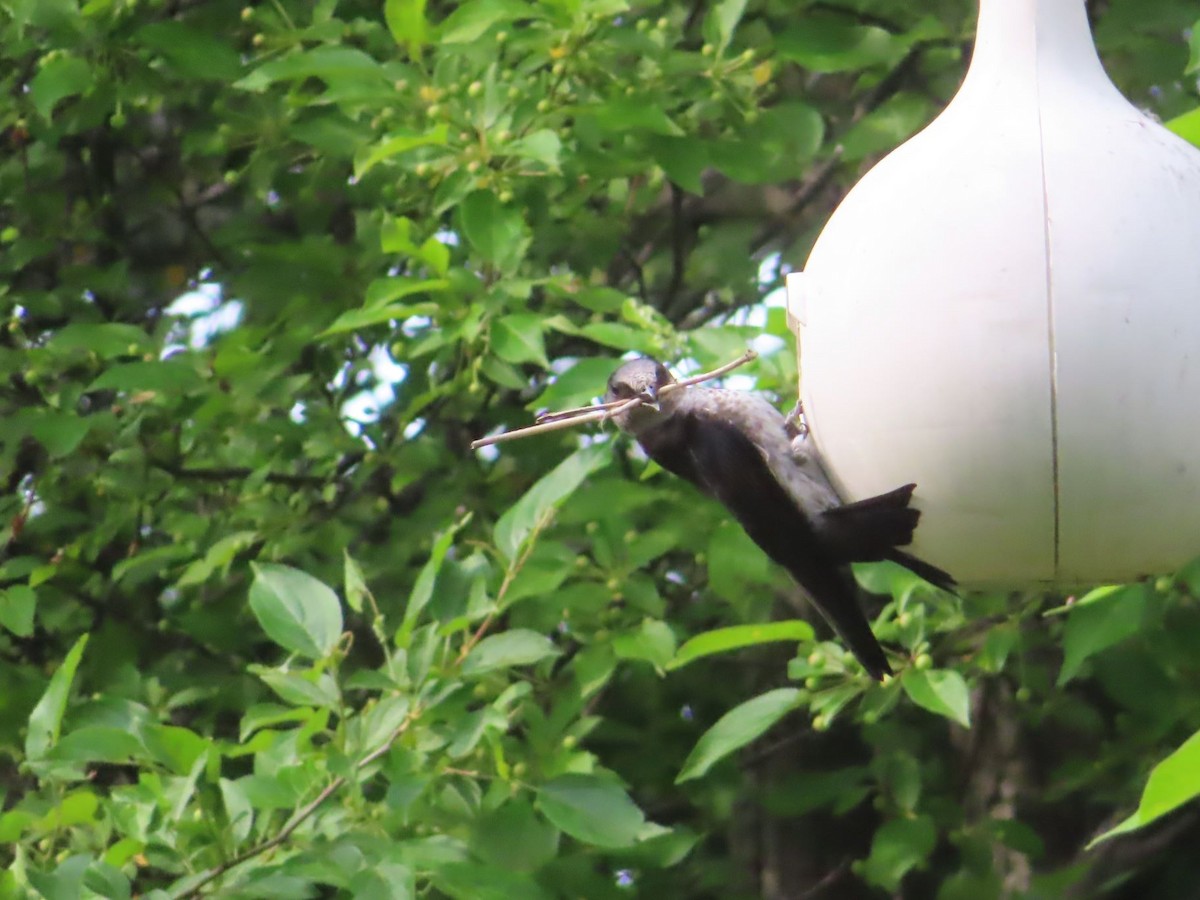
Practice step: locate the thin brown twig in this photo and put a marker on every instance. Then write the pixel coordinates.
(509, 576)
(618, 406)
(555, 425)
(300, 816)
(578, 410)
(746, 357)
(599, 412)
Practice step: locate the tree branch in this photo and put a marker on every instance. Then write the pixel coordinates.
(298, 818)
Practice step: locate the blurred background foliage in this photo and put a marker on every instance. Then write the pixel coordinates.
(269, 268)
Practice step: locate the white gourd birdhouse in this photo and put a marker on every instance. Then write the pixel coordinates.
(1005, 310)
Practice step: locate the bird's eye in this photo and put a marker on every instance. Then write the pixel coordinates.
(622, 391)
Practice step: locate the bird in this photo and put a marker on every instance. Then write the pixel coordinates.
(738, 449)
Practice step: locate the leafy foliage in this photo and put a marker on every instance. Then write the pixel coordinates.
(268, 628)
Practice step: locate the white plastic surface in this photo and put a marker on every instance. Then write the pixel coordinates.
(1004, 310)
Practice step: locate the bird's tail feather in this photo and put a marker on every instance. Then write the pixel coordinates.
(931, 573)
(835, 595)
(868, 529)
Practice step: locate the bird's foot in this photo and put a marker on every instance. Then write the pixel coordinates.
(795, 422)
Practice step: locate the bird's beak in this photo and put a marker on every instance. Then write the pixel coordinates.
(649, 397)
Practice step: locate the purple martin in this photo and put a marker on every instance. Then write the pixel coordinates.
(739, 449)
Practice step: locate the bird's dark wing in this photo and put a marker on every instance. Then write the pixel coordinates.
(864, 531)
(717, 457)
(872, 529)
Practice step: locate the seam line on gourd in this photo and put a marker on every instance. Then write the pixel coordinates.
(1049, 259)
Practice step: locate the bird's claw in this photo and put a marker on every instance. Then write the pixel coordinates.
(795, 422)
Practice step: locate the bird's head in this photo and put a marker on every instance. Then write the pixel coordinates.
(642, 379)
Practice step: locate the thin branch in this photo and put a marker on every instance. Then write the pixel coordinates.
(509, 576)
(300, 816)
(241, 473)
(578, 410)
(815, 182)
(555, 425)
(599, 412)
(746, 357)
(678, 251)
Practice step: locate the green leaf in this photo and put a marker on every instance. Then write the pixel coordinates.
(941, 691)
(264, 715)
(547, 566)
(17, 606)
(75, 808)
(107, 340)
(296, 611)
(377, 315)
(627, 114)
(886, 127)
(175, 747)
(435, 254)
(592, 809)
(776, 146)
(330, 132)
(238, 810)
(542, 146)
(386, 291)
(354, 584)
(107, 881)
(652, 641)
(721, 21)
(503, 374)
(406, 21)
(517, 647)
(827, 44)
(472, 19)
(298, 690)
(737, 728)
(735, 563)
(65, 883)
(1095, 595)
(381, 721)
(1102, 618)
(397, 143)
(496, 232)
(899, 846)
(535, 507)
(324, 62)
(459, 880)
(165, 377)
(684, 159)
(1172, 783)
(1193, 63)
(60, 433)
(61, 77)
(218, 558)
(1187, 126)
(518, 338)
(722, 640)
(195, 53)
(45, 722)
(422, 590)
(622, 337)
(98, 744)
(578, 385)
(514, 837)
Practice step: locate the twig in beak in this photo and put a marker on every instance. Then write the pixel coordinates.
(709, 376)
(600, 412)
(578, 410)
(558, 424)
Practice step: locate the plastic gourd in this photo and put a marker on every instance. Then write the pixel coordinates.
(1005, 310)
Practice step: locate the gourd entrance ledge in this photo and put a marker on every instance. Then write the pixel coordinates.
(1005, 310)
